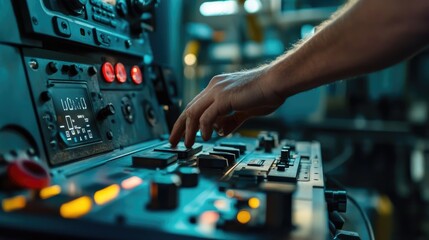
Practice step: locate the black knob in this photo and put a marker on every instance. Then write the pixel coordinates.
(53, 67)
(106, 111)
(109, 135)
(76, 7)
(141, 6)
(285, 154)
(46, 96)
(189, 176)
(74, 70)
(92, 71)
(164, 192)
(121, 8)
(268, 144)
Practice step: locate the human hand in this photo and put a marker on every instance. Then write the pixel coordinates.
(227, 101)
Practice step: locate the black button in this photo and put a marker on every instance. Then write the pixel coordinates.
(181, 151)
(234, 151)
(241, 146)
(153, 159)
(53, 67)
(189, 176)
(212, 161)
(229, 156)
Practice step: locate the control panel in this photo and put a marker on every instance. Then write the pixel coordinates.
(116, 25)
(228, 189)
(85, 108)
(84, 150)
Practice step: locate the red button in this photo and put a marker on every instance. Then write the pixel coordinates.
(121, 74)
(28, 174)
(108, 72)
(136, 75)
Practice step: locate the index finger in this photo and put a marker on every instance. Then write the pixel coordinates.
(178, 130)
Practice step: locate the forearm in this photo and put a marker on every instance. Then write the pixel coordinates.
(369, 35)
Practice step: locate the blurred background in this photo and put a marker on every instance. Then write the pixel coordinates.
(373, 128)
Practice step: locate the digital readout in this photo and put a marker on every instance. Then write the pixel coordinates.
(74, 114)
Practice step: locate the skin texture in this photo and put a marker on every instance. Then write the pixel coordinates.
(363, 36)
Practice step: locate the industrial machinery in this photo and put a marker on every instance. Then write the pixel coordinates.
(83, 149)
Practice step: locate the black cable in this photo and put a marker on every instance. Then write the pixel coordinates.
(364, 216)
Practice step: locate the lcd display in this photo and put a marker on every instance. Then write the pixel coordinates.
(74, 114)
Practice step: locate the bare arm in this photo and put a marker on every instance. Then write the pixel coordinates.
(364, 36)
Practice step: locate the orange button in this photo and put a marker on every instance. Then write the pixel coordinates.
(108, 72)
(121, 74)
(136, 75)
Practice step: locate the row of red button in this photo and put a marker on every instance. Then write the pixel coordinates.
(119, 73)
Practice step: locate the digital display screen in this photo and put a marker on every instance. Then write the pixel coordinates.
(75, 117)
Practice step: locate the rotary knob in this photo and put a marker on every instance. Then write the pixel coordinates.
(76, 7)
(108, 110)
(74, 70)
(164, 192)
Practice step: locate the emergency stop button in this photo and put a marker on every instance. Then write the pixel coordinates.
(28, 174)
(108, 72)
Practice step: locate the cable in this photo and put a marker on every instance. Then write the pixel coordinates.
(339, 160)
(364, 216)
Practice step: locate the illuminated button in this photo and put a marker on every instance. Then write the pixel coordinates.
(254, 202)
(221, 205)
(76, 208)
(209, 217)
(131, 182)
(14, 203)
(28, 174)
(121, 74)
(244, 217)
(106, 194)
(108, 72)
(136, 75)
(49, 192)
